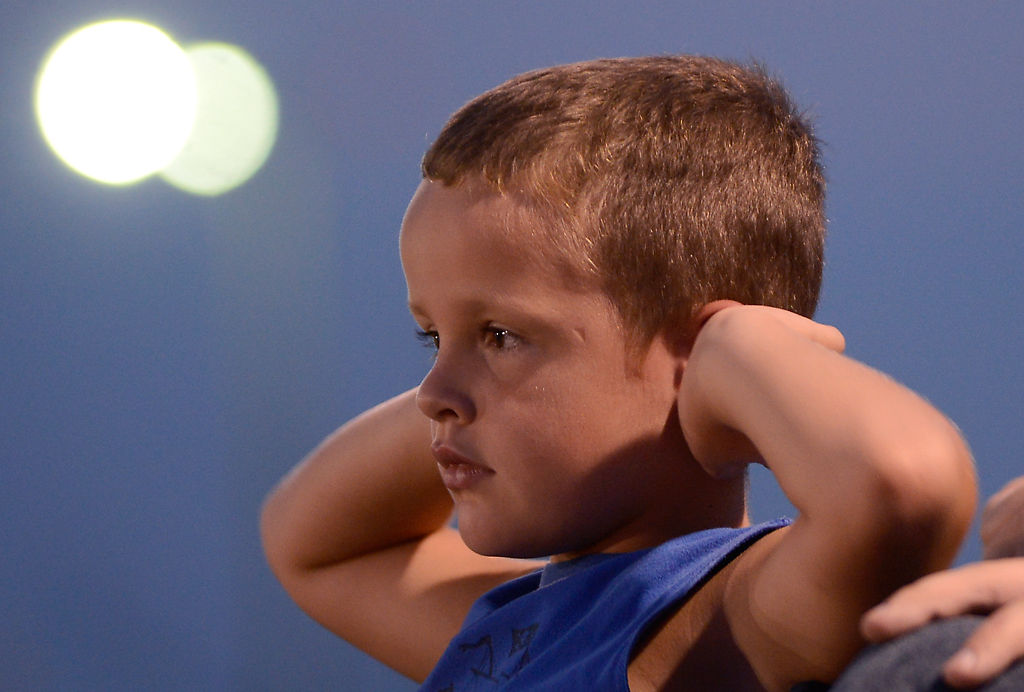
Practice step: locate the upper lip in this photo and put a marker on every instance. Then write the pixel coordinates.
(446, 456)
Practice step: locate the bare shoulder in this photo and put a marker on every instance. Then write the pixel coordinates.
(787, 616)
(694, 647)
(404, 604)
(775, 663)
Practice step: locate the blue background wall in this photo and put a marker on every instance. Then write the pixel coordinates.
(166, 358)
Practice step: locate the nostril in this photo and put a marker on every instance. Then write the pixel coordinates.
(442, 394)
(447, 414)
(434, 405)
(448, 407)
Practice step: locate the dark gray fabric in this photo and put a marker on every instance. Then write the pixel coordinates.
(913, 663)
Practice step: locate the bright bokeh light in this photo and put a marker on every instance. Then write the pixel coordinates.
(116, 100)
(236, 122)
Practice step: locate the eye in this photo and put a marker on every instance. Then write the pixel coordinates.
(428, 338)
(500, 338)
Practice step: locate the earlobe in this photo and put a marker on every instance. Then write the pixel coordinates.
(677, 343)
(677, 381)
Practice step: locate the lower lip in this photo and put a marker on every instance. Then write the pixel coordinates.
(462, 476)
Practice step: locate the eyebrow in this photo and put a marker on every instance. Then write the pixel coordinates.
(416, 310)
(481, 301)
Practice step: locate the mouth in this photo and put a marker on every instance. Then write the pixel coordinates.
(457, 471)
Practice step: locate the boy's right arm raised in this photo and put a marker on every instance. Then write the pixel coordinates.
(882, 482)
(358, 535)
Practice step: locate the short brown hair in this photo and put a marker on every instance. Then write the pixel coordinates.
(673, 181)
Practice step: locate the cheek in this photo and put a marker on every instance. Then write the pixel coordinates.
(564, 466)
(568, 421)
(552, 444)
(614, 411)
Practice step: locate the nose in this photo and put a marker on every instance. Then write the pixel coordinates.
(442, 395)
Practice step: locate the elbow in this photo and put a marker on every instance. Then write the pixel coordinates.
(276, 547)
(926, 492)
(272, 548)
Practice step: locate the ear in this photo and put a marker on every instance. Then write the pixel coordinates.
(682, 337)
(708, 311)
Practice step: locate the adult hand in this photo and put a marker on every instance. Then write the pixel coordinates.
(995, 586)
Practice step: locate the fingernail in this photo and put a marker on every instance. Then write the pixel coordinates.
(964, 661)
(880, 608)
(879, 615)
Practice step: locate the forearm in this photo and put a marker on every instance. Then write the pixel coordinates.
(882, 482)
(848, 445)
(371, 485)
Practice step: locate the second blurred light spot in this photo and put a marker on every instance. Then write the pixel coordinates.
(235, 126)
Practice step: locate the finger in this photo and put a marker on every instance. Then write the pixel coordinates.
(830, 337)
(980, 586)
(824, 334)
(997, 643)
(903, 612)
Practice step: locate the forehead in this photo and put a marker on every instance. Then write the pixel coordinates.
(464, 224)
(470, 239)
(481, 215)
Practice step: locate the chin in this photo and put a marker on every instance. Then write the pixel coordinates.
(501, 543)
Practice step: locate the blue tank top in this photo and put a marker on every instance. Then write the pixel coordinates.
(573, 625)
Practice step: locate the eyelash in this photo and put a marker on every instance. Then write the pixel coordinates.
(429, 339)
(496, 336)
(493, 336)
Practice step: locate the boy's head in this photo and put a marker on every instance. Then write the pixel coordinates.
(667, 182)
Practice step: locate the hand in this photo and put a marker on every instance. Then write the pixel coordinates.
(724, 451)
(995, 586)
(1002, 522)
(824, 334)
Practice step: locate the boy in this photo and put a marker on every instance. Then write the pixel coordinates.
(609, 259)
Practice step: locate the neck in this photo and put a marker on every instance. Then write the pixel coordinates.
(697, 503)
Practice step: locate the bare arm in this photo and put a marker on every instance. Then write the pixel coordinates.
(357, 534)
(883, 483)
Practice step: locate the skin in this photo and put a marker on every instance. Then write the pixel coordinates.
(1002, 522)
(532, 381)
(995, 586)
(553, 438)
